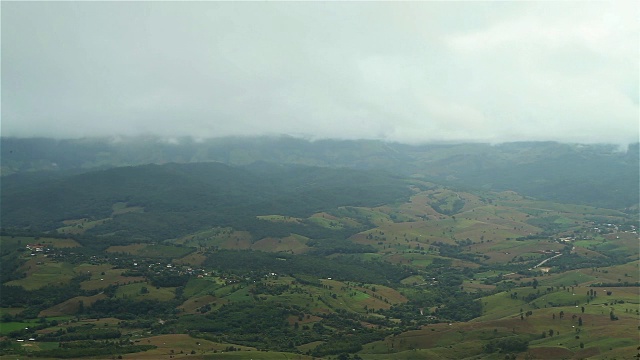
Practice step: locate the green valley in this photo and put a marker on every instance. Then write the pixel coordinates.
(261, 261)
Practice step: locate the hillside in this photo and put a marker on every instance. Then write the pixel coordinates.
(266, 260)
(157, 202)
(599, 175)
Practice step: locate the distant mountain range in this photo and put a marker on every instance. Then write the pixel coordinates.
(600, 175)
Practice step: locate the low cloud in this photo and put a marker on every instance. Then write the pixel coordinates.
(408, 72)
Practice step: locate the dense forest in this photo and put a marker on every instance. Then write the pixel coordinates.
(600, 174)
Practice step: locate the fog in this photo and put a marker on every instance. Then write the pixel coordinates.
(409, 72)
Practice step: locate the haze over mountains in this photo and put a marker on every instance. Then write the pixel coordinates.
(436, 71)
(601, 175)
(147, 248)
(320, 180)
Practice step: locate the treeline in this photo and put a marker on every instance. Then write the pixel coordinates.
(89, 348)
(40, 299)
(351, 343)
(575, 261)
(339, 268)
(179, 199)
(265, 326)
(259, 325)
(444, 292)
(443, 208)
(79, 333)
(455, 251)
(617, 284)
(598, 175)
(507, 344)
(324, 247)
(127, 309)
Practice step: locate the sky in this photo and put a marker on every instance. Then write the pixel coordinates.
(411, 72)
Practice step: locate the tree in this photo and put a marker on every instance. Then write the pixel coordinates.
(535, 283)
(580, 321)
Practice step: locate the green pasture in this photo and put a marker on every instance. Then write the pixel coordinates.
(249, 355)
(103, 275)
(120, 208)
(279, 218)
(7, 327)
(241, 294)
(607, 343)
(587, 244)
(569, 278)
(418, 279)
(48, 273)
(387, 353)
(475, 286)
(374, 216)
(12, 243)
(629, 295)
(620, 273)
(500, 305)
(11, 310)
(561, 298)
(326, 223)
(293, 243)
(530, 256)
(165, 251)
(80, 226)
(368, 256)
(224, 237)
(135, 291)
(302, 299)
(490, 273)
(548, 206)
(204, 286)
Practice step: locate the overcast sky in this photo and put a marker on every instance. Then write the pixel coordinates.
(408, 72)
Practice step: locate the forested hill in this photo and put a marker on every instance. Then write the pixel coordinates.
(599, 175)
(164, 201)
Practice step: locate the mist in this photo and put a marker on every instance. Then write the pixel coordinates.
(402, 72)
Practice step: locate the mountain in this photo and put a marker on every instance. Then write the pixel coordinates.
(599, 175)
(364, 255)
(175, 199)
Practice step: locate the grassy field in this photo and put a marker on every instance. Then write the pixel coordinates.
(71, 306)
(490, 226)
(295, 244)
(11, 243)
(181, 345)
(203, 286)
(80, 226)
(7, 327)
(136, 291)
(104, 275)
(224, 238)
(42, 271)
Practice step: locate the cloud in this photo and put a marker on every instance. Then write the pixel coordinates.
(409, 72)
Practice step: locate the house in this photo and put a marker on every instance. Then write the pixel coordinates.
(35, 247)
